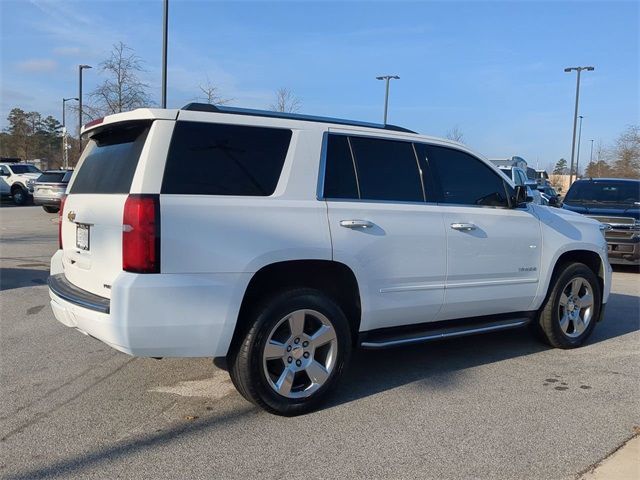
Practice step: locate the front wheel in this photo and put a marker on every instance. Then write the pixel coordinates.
(293, 352)
(49, 209)
(572, 307)
(20, 195)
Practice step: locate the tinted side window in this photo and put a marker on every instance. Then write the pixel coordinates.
(465, 180)
(387, 170)
(214, 159)
(340, 176)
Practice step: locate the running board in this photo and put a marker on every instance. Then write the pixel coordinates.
(426, 332)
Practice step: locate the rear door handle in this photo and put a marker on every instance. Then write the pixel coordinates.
(464, 227)
(356, 223)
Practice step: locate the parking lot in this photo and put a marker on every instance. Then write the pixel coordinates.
(493, 406)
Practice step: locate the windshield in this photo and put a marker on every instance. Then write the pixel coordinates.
(604, 192)
(18, 169)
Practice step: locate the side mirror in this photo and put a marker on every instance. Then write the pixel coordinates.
(522, 195)
(553, 201)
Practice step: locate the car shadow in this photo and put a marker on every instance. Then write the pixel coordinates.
(7, 202)
(437, 364)
(626, 268)
(11, 278)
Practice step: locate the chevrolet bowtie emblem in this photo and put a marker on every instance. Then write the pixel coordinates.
(71, 216)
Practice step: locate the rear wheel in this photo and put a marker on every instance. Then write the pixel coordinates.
(571, 309)
(293, 353)
(19, 195)
(49, 209)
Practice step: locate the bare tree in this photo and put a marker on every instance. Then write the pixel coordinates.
(286, 101)
(626, 153)
(123, 89)
(211, 94)
(455, 134)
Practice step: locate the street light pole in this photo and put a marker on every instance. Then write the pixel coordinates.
(578, 153)
(165, 28)
(575, 114)
(80, 68)
(591, 155)
(386, 78)
(65, 153)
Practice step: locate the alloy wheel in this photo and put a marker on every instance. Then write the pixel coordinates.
(575, 308)
(300, 353)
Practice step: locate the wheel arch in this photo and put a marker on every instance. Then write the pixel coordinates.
(18, 185)
(334, 278)
(590, 258)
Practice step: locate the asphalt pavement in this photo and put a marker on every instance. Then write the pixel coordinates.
(493, 406)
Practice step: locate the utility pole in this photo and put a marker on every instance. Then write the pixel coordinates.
(386, 78)
(578, 154)
(575, 114)
(80, 68)
(165, 29)
(65, 148)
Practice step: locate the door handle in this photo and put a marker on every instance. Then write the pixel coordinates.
(463, 227)
(356, 223)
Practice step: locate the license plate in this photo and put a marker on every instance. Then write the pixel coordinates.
(82, 236)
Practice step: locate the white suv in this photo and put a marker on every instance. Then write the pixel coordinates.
(279, 243)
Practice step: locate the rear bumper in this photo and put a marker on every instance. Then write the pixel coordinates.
(46, 201)
(156, 315)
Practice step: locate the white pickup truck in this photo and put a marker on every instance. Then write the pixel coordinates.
(16, 180)
(281, 242)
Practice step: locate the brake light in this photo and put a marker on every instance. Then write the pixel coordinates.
(60, 217)
(93, 123)
(141, 234)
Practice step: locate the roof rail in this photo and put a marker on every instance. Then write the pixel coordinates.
(205, 107)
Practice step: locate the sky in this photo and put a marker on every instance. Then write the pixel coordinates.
(492, 69)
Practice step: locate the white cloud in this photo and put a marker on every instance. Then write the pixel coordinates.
(36, 65)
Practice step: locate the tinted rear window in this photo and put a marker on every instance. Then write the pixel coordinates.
(605, 192)
(214, 159)
(110, 159)
(51, 177)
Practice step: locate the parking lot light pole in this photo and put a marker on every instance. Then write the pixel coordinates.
(80, 68)
(578, 148)
(591, 155)
(386, 78)
(575, 114)
(165, 28)
(65, 153)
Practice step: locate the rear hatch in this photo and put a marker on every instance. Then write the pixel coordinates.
(92, 218)
(51, 183)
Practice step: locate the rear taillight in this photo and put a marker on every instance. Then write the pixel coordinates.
(141, 234)
(60, 217)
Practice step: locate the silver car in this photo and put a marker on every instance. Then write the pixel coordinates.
(49, 189)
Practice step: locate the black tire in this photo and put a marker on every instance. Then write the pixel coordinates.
(20, 195)
(246, 366)
(548, 325)
(49, 209)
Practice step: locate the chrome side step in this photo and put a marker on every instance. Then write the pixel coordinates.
(386, 338)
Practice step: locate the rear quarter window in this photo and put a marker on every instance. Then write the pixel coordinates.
(216, 159)
(110, 159)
